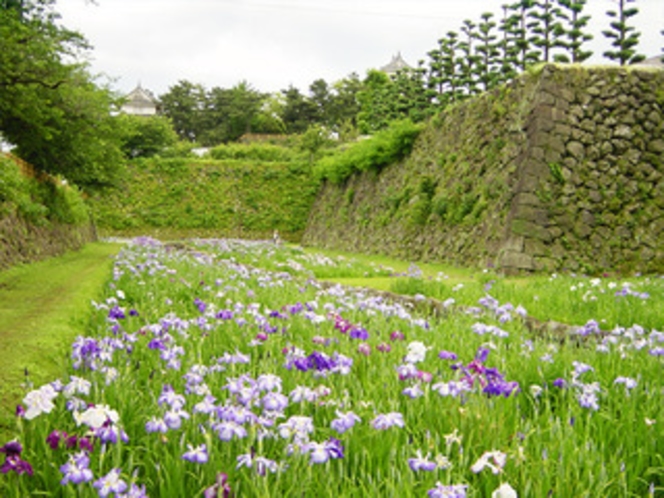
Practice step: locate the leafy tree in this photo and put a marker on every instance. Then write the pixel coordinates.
(231, 113)
(321, 98)
(375, 108)
(185, 105)
(624, 38)
(345, 106)
(298, 112)
(147, 136)
(572, 13)
(451, 83)
(50, 108)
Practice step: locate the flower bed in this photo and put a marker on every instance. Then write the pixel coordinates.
(201, 376)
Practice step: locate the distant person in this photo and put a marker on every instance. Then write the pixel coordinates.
(275, 238)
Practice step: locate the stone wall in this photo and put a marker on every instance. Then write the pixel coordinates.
(559, 170)
(25, 242)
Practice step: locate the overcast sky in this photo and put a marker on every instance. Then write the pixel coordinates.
(272, 44)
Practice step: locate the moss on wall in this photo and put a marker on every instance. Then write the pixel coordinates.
(559, 169)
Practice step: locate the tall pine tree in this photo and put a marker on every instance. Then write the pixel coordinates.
(624, 38)
(572, 13)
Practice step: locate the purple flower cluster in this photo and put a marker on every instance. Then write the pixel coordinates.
(13, 461)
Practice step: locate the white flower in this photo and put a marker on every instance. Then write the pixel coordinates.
(96, 416)
(417, 351)
(39, 401)
(504, 491)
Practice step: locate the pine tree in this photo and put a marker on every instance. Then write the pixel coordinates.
(507, 46)
(451, 80)
(486, 50)
(524, 53)
(545, 25)
(624, 37)
(576, 37)
(467, 60)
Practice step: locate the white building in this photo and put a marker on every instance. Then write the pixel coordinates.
(140, 102)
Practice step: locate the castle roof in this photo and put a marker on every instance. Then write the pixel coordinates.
(395, 65)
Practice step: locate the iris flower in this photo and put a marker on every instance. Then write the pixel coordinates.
(110, 483)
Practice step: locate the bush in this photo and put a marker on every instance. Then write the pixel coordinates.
(253, 152)
(39, 200)
(384, 148)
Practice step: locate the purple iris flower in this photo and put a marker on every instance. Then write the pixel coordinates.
(448, 491)
(387, 420)
(220, 488)
(421, 463)
(76, 469)
(344, 421)
(359, 333)
(447, 355)
(14, 463)
(110, 483)
(198, 454)
(560, 383)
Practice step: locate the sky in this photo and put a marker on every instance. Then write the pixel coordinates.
(273, 44)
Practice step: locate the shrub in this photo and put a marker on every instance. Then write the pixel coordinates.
(373, 154)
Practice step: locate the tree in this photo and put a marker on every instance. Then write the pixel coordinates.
(185, 104)
(624, 37)
(345, 106)
(147, 136)
(507, 45)
(487, 52)
(525, 55)
(298, 112)
(375, 109)
(50, 108)
(467, 60)
(231, 113)
(572, 13)
(546, 27)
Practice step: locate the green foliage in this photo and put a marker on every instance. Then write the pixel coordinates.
(373, 154)
(252, 152)
(39, 200)
(244, 197)
(147, 136)
(624, 38)
(557, 173)
(50, 107)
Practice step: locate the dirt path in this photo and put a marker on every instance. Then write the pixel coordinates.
(43, 307)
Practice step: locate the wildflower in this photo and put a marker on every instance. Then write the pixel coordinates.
(560, 383)
(384, 347)
(156, 425)
(421, 463)
(416, 352)
(96, 416)
(387, 420)
(448, 491)
(229, 430)
(76, 469)
(261, 464)
(504, 491)
(414, 391)
(196, 454)
(495, 460)
(628, 382)
(322, 452)
(397, 336)
(220, 488)
(110, 483)
(274, 402)
(447, 355)
(39, 401)
(344, 421)
(13, 461)
(364, 348)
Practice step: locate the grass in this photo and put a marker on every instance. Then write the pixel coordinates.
(43, 306)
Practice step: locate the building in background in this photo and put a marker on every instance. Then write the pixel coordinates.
(395, 65)
(140, 102)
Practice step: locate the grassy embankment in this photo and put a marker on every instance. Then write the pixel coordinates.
(43, 306)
